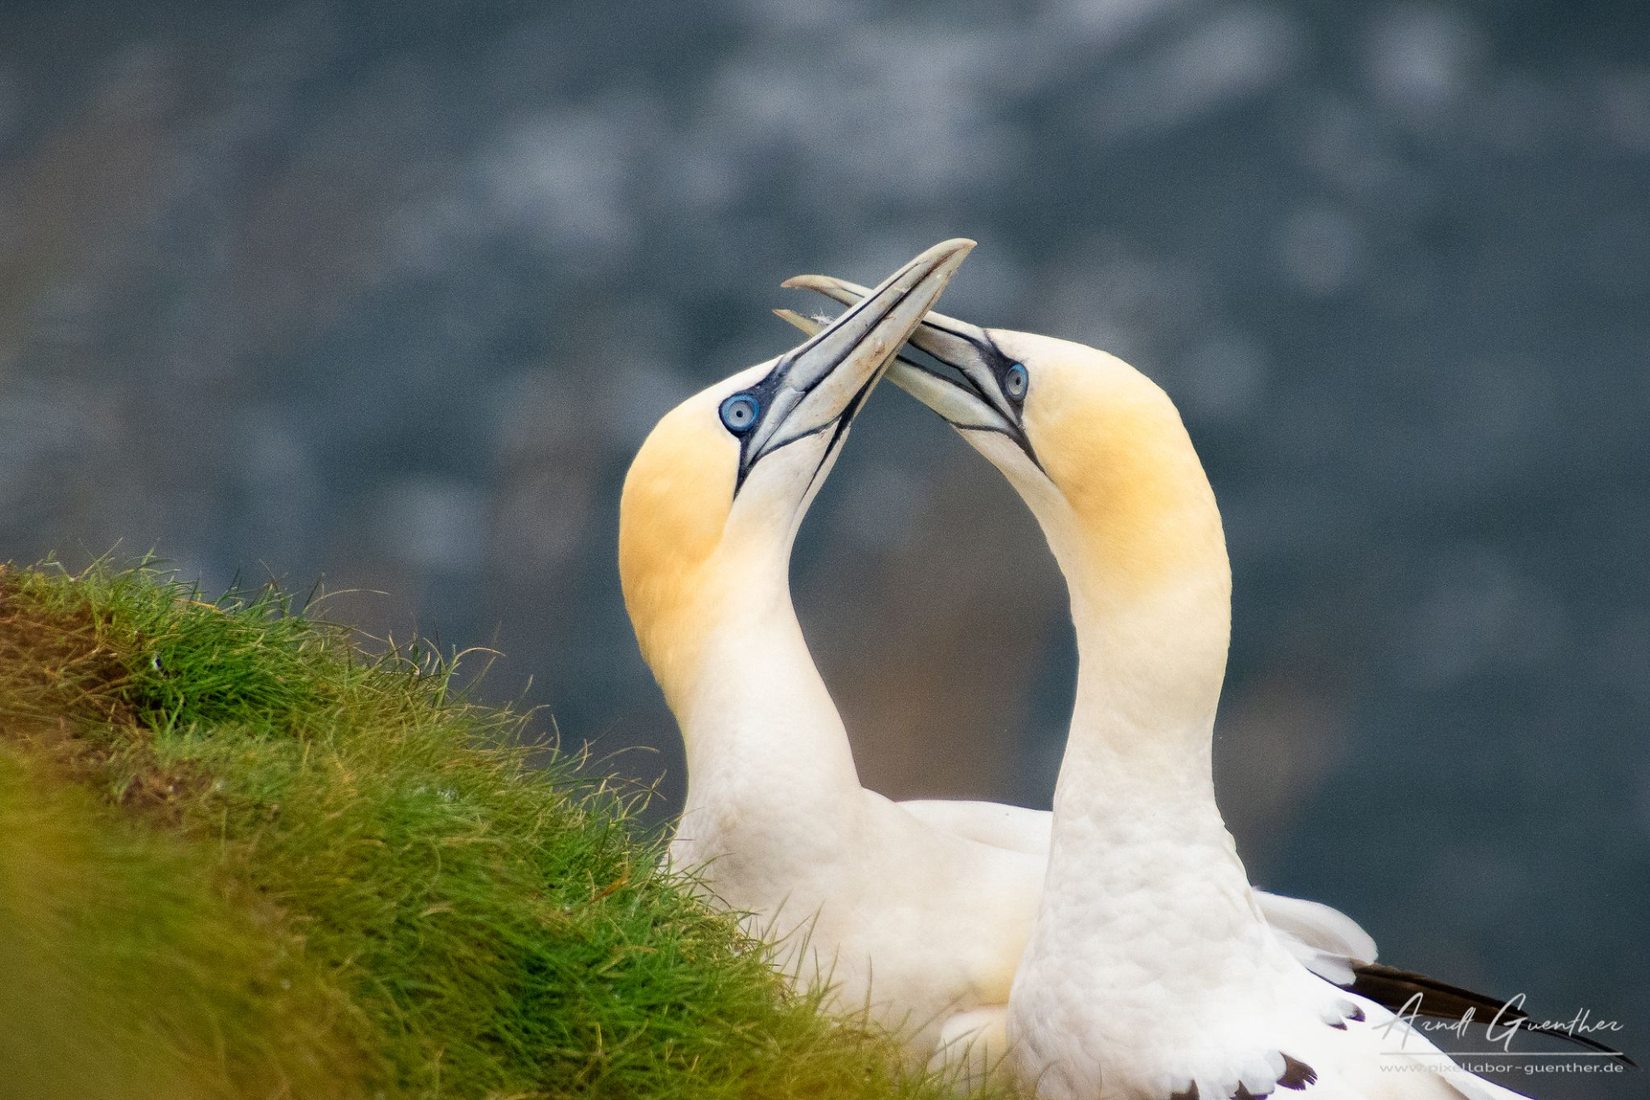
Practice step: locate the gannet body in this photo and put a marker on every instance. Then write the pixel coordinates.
(1153, 970)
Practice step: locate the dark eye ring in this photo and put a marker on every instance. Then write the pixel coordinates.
(739, 413)
(1016, 381)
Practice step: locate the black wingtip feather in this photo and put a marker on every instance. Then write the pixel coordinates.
(1296, 1074)
(1393, 988)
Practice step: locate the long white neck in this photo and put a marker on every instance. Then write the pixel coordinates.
(764, 741)
(1136, 827)
(1148, 682)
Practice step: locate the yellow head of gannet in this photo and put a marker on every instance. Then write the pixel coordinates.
(714, 497)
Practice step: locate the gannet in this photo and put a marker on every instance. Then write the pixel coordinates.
(1152, 971)
(776, 822)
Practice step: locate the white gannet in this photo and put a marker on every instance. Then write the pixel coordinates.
(1152, 972)
(776, 822)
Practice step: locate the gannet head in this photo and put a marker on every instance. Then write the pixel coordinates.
(1097, 450)
(713, 499)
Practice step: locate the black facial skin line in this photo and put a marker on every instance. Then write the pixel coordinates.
(842, 424)
(774, 378)
(999, 364)
(997, 361)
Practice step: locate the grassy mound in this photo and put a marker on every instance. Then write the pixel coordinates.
(240, 858)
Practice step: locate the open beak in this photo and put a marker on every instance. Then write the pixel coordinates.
(820, 386)
(966, 386)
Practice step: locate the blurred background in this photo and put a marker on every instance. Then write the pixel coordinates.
(385, 296)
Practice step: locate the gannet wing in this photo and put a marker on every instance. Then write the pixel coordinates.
(1331, 945)
(998, 824)
(1271, 1047)
(1368, 1053)
(1375, 1051)
(1324, 940)
(1405, 990)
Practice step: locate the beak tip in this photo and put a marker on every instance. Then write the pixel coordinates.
(950, 254)
(955, 250)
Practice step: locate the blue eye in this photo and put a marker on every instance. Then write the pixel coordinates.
(1016, 381)
(739, 413)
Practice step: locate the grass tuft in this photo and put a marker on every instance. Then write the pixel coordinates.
(241, 857)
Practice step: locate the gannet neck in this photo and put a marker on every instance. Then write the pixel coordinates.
(1132, 520)
(1135, 817)
(709, 596)
(757, 721)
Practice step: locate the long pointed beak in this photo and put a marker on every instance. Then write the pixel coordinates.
(969, 394)
(821, 385)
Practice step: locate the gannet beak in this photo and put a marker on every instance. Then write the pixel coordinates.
(821, 385)
(969, 394)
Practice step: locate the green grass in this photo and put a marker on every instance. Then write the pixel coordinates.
(241, 858)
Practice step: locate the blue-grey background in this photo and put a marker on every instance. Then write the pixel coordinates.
(386, 295)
